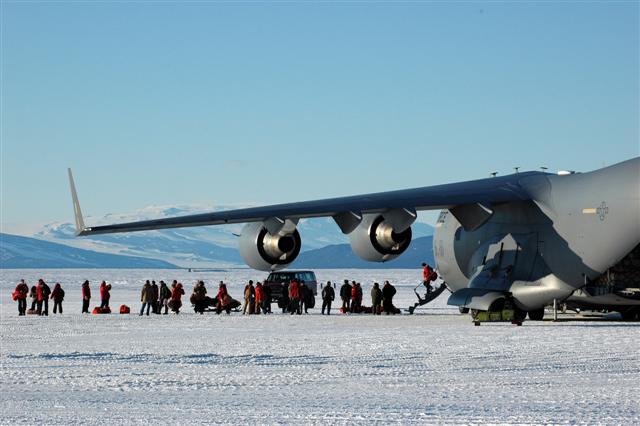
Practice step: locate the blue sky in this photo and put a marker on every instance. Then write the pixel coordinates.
(163, 103)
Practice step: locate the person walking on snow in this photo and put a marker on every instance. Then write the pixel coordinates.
(328, 294)
(20, 294)
(86, 296)
(155, 306)
(58, 296)
(165, 296)
(345, 295)
(146, 297)
(376, 299)
(259, 302)
(43, 291)
(176, 298)
(249, 297)
(104, 294)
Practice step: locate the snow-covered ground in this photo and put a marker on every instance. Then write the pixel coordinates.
(434, 367)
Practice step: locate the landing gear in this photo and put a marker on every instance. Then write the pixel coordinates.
(536, 315)
(630, 314)
(463, 310)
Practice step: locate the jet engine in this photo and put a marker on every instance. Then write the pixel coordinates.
(376, 239)
(266, 251)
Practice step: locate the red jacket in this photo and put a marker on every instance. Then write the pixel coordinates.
(104, 291)
(22, 290)
(294, 290)
(40, 292)
(177, 292)
(426, 273)
(222, 292)
(259, 293)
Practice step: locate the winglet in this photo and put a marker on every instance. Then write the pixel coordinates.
(76, 206)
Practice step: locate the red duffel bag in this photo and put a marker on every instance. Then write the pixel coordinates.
(124, 309)
(98, 310)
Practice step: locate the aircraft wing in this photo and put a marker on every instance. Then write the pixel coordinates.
(472, 198)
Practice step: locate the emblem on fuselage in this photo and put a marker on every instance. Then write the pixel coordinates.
(602, 210)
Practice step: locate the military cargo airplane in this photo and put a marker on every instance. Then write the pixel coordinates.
(530, 237)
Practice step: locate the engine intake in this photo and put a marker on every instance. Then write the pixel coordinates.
(376, 240)
(264, 251)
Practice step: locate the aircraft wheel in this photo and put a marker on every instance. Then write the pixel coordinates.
(537, 315)
(629, 314)
(463, 310)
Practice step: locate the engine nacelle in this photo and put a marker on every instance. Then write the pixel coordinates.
(264, 251)
(375, 240)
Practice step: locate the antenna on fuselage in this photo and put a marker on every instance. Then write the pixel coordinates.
(544, 168)
(493, 174)
(516, 169)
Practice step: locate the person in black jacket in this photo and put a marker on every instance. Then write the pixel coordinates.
(388, 291)
(58, 296)
(86, 296)
(327, 297)
(345, 295)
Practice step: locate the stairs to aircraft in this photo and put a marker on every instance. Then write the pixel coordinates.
(428, 298)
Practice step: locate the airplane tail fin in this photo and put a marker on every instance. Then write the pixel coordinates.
(76, 206)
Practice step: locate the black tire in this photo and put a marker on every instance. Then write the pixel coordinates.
(629, 314)
(537, 315)
(311, 302)
(463, 310)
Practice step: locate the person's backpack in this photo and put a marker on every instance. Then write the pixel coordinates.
(61, 294)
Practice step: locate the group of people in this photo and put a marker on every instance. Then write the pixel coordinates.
(155, 298)
(351, 295)
(294, 297)
(40, 295)
(105, 296)
(222, 301)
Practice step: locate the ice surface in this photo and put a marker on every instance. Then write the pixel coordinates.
(434, 367)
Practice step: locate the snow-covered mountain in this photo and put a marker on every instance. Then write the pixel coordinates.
(25, 252)
(197, 247)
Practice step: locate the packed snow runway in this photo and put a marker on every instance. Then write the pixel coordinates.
(434, 367)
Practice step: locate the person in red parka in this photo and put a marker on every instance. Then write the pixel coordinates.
(222, 297)
(428, 276)
(104, 294)
(86, 296)
(20, 294)
(58, 296)
(294, 296)
(43, 291)
(176, 298)
(259, 299)
(356, 297)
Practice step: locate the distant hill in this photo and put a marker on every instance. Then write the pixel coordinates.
(340, 256)
(24, 252)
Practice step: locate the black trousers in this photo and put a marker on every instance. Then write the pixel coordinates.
(57, 304)
(345, 304)
(326, 303)
(34, 304)
(22, 306)
(45, 311)
(104, 303)
(85, 305)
